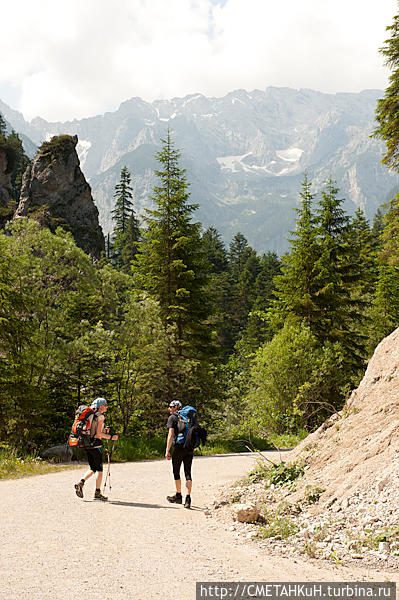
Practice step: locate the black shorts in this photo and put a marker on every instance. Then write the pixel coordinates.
(182, 455)
(95, 458)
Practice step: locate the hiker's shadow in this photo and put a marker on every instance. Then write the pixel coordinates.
(142, 505)
(138, 504)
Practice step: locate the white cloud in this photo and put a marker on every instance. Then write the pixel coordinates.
(80, 58)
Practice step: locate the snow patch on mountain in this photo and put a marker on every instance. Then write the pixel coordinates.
(232, 163)
(290, 154)
(82, 149)
(192, 98)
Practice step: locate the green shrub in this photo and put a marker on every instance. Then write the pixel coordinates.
(278, 527)
(139, 448)
(285, 473)
(12, 465)
(313, 493)
(260, 472)
(59, 146)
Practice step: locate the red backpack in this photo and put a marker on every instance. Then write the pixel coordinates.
(80, 436)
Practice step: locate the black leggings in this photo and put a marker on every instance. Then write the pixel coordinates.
(182, 455)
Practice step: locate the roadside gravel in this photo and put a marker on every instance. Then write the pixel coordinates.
(55, 546)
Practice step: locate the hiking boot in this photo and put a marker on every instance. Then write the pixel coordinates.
(176, 499)
(98, 496)
(187, 503)
(79, 489)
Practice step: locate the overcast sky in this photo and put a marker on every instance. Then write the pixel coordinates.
(63, 60)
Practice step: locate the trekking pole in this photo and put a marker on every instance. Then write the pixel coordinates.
(108, 476)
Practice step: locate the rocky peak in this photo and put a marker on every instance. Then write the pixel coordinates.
(55, 193)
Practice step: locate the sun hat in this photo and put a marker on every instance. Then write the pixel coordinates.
(95, 405)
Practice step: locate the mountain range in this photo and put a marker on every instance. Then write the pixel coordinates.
(245, 154)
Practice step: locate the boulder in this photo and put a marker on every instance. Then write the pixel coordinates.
(61, 453)
(246, 513)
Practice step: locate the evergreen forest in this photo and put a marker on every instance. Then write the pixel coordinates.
(263, 346)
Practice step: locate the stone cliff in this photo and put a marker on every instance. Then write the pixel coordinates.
(55, 193)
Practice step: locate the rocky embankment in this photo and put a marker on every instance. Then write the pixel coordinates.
(344, 506)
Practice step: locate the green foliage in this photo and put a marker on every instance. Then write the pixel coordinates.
(260, 471)
(12, 465)
(280, 474)
(294, 381)
(3, 126)
(384, 313)
(327, 274)
(48, 277)
(58, 148)
(126, 235)
(131, 448)
(278, 527)
(20, 164)
(285, 473)
(138, 365)
(313, 493)
(371, 539)
(17, 161)
(387, 113)
(265, 349)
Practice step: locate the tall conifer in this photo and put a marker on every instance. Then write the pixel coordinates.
(126, 231)
(173, 268)
(296, 287)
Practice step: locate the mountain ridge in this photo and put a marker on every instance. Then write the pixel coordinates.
(245, 154)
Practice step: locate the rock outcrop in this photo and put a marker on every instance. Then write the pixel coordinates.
(55, 193)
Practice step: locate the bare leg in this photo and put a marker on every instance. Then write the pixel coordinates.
(99, 479)
(87, 475)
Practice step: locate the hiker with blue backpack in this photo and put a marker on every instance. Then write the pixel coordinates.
(185, 434)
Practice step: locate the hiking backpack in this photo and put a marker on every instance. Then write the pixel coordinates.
(190, 433)
(80, 436)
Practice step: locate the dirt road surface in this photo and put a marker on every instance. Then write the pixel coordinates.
(55, 546)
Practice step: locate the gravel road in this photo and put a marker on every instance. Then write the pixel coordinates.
(55, 546)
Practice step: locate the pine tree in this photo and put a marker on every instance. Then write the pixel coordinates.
(173, 267)
(123, 202)
(131, 241)
(385, 309)
(387, 114)
(331, 294)
(215, 251)
(296, 287)
(126, 231)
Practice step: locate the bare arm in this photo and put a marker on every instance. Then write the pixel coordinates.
(169, 441)
(100, 433)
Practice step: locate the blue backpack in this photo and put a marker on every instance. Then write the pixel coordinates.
(190, 433)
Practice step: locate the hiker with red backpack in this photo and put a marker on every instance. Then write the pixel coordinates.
(92, 435)
(185, 434)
